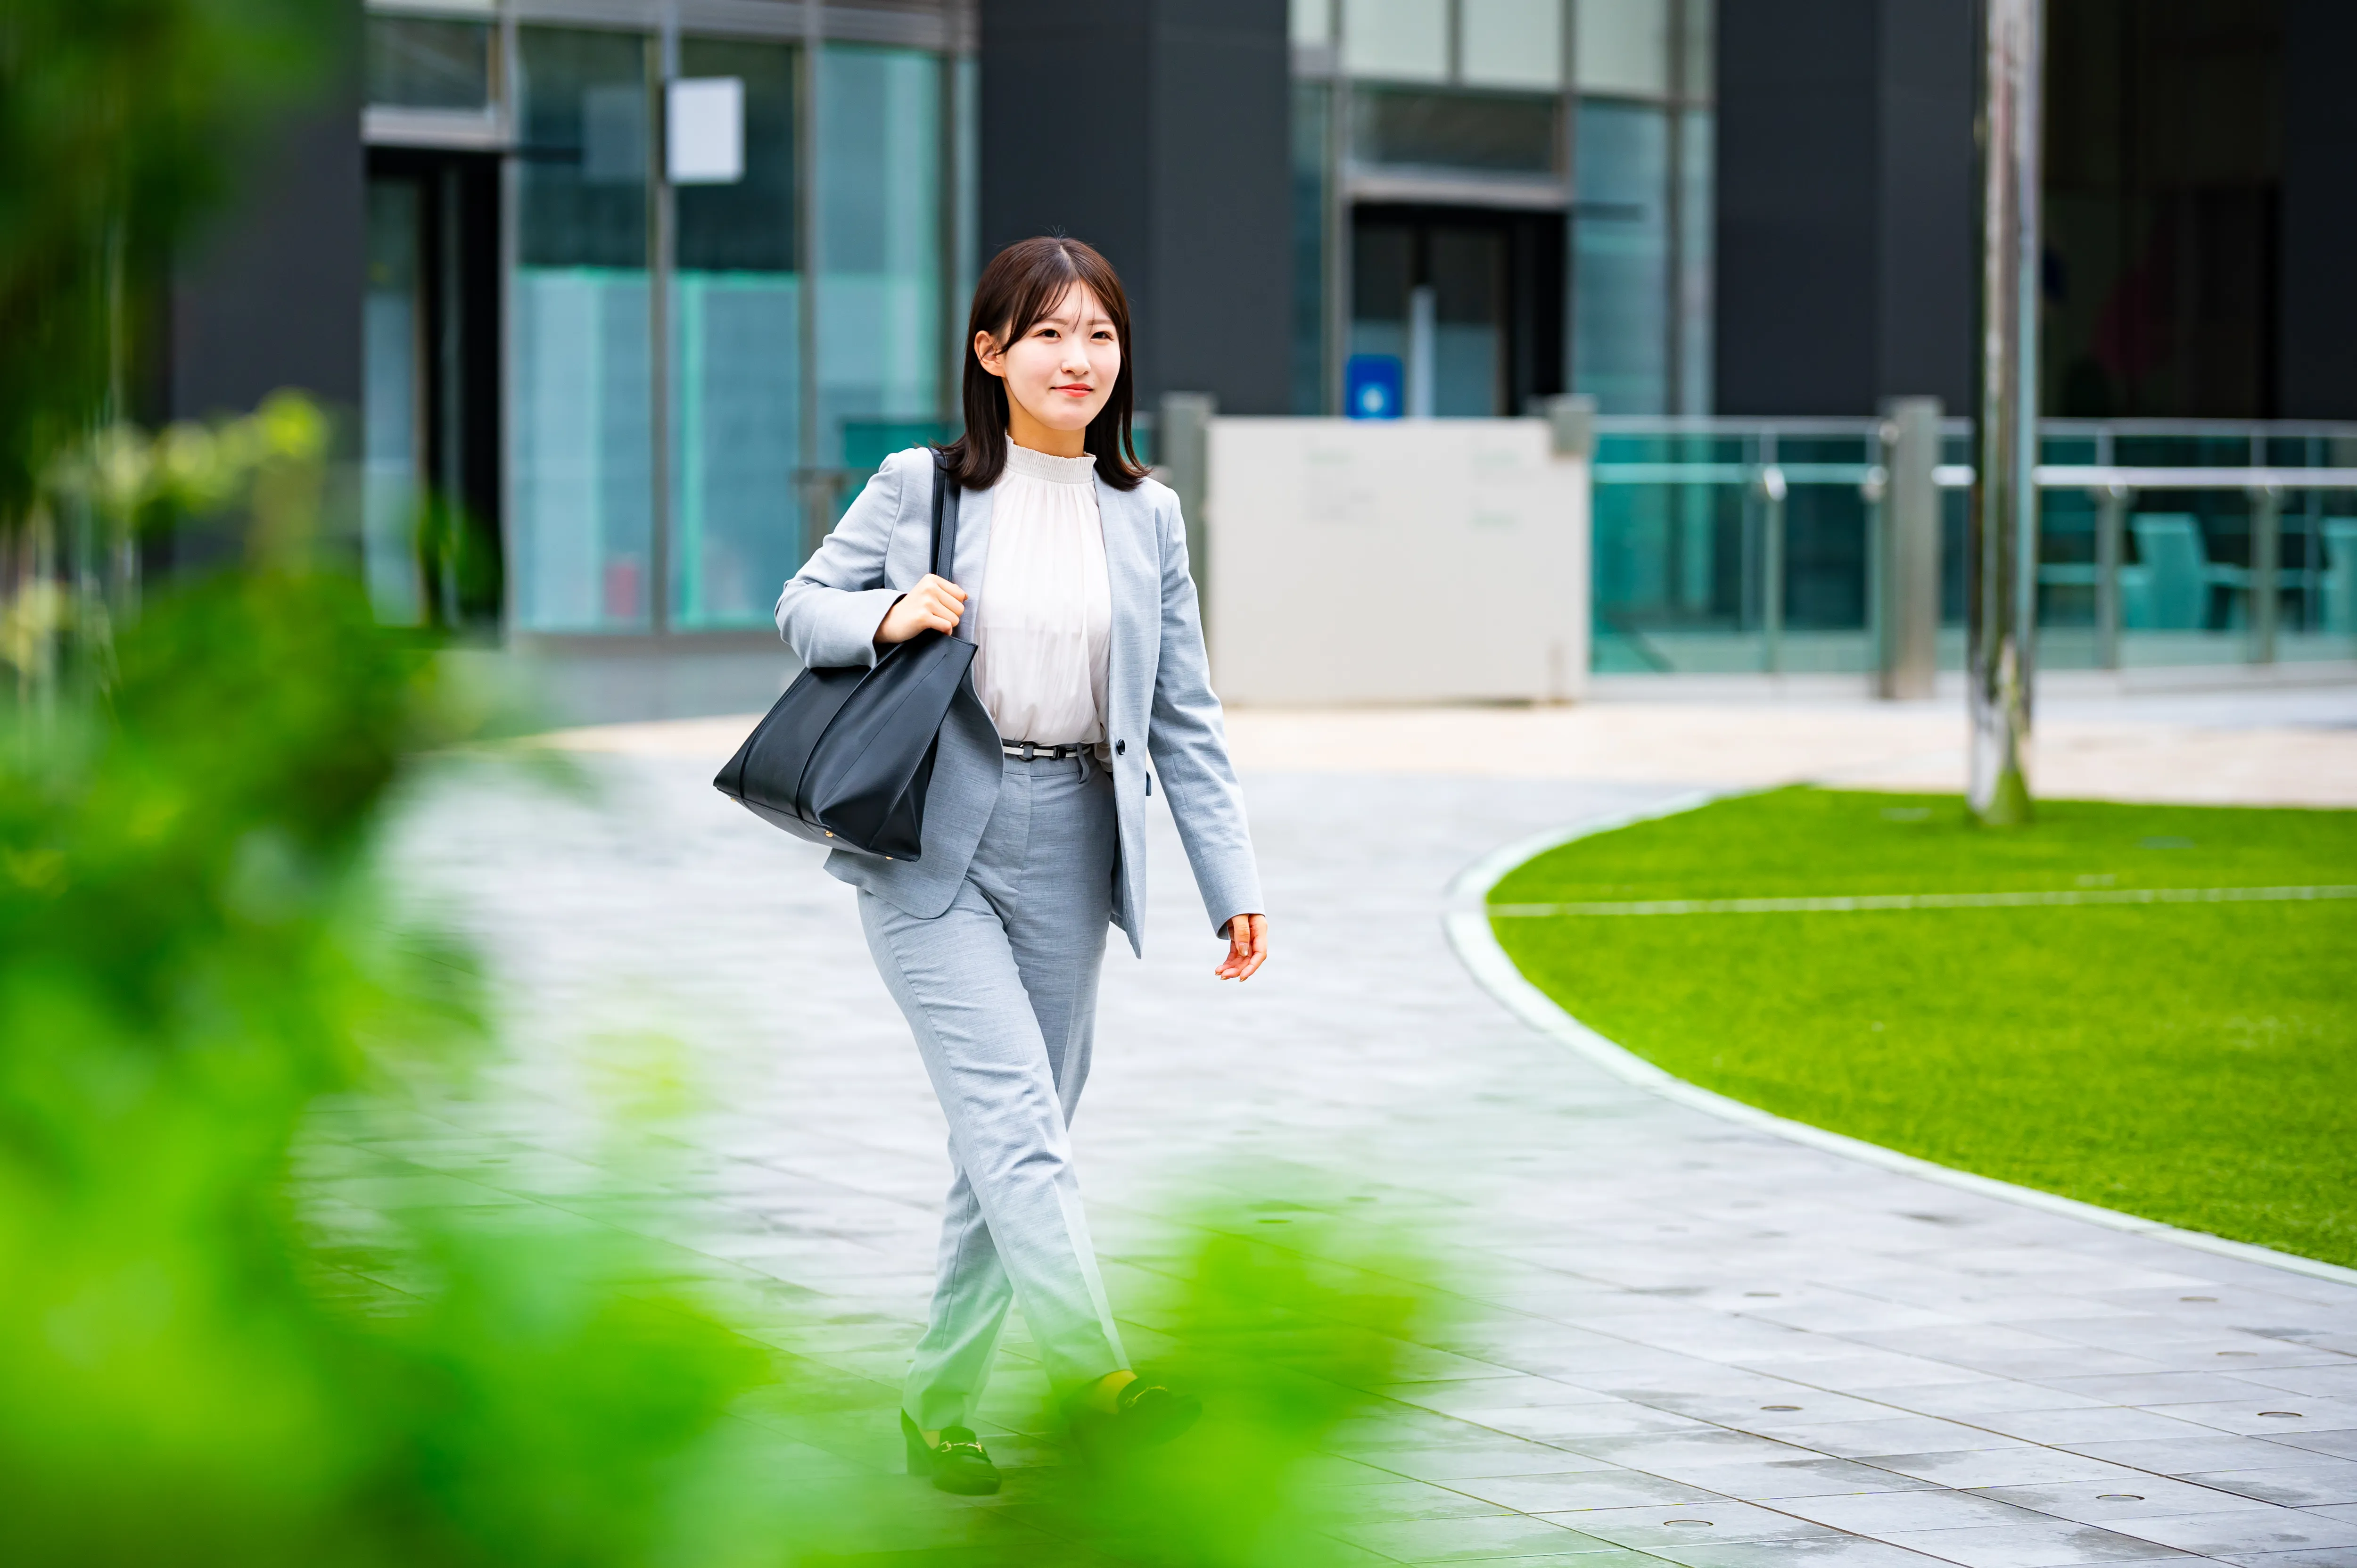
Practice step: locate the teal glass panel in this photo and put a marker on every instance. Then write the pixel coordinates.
(1621, 258)
(883, 335)
(737, 515)
(1698, 259)
(580, 335)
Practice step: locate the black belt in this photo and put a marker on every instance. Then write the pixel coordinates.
(1029, 750)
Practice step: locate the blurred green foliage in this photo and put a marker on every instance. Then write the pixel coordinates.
(194, 948)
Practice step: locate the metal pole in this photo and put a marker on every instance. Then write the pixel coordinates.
(2002, 547)
(1910, 552)
(2111, 531)
(2267, 570)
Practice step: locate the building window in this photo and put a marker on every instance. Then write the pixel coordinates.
(580, 418)
(706, 357)
(1486, 133)
(1641, 224)
(429, 62)
(736, 352)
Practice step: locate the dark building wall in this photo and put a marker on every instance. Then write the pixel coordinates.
(268, 293)
(2318, 323)
(1156, 130)
(1927, 69)
(1843, 204)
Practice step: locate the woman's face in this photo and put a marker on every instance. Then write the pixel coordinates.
(1061, 371)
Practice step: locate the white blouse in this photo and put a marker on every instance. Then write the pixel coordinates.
(1043, 622)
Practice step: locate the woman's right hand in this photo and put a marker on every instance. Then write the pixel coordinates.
(933, 605)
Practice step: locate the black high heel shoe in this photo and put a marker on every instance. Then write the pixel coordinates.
(958, 1463)
(1143, 1415)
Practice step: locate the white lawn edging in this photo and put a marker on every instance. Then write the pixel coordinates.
(1476, 947)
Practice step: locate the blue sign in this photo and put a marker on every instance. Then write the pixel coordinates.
(1372, 386)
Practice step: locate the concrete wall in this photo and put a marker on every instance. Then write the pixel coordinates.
(1156, 131)
(1395, 561)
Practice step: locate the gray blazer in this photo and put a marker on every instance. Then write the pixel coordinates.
(1158, 701)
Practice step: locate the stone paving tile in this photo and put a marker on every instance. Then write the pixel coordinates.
(1505, 1457)
(1583, 1489)
(2325, 1482)
(1462, 1396)
(2234, 1534)
(2184, 1456)
(2269, 1415)
(2328, 1557)
(1886, 1514)
(1984, 1395)
(1702, 1445)
(2047, 1544)
(2107, 1501)
(2342, 1444)
(2166, 1390)
(1666, 1525)
(1901, 1434)
(1398, 1501)
(2105, 1424)
(1819, 1552)
(1797, 1478)
(1597, 1555)
(1634, 1279)
(2336, 1379)
(1461, 1540)
(2025, 1465)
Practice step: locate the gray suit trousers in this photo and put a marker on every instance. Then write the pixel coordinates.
(1000, 989)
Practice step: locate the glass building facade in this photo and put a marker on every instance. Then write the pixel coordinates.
(707, 333)
(1507, 199)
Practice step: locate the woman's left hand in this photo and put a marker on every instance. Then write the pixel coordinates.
(1247, 947)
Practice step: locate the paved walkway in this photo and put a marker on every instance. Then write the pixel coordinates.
(1681, 1339)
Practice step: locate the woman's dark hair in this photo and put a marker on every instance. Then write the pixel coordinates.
(1022, 283)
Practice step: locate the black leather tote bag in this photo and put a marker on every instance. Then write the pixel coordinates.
(845, 755)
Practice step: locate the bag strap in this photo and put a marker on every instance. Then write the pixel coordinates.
(944, 557)
(945, 520)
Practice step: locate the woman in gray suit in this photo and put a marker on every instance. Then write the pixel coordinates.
(1089, 685)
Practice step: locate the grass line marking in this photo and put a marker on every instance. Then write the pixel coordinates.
(1869, 901)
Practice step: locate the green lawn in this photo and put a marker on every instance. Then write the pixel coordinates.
(2195, 1063)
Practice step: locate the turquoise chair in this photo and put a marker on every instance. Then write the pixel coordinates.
(2169, 587)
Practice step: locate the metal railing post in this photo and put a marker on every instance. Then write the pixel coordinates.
(2267, 569)
(1772, 490)
(1911, 549)
(2111, 533)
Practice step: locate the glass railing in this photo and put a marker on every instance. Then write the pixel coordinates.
(1748, 545)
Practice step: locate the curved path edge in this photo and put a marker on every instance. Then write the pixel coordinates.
(1478, 948)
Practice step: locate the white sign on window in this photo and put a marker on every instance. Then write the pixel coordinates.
(706, 131)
